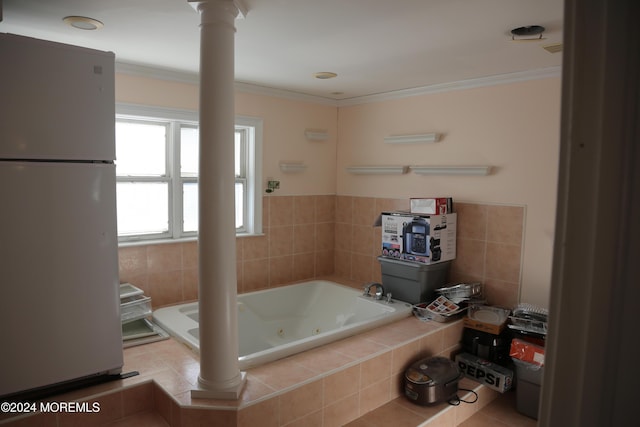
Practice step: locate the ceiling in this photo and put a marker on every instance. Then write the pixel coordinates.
(375, 46)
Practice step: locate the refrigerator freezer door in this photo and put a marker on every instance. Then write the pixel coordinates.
(59, 299)
(57, 101)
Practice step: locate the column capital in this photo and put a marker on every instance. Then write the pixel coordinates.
(236, 7)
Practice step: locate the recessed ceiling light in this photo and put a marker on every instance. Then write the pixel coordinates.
(324, 75)
(83, 23)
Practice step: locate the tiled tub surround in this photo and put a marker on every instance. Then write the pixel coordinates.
(307, 237)
(328, 386)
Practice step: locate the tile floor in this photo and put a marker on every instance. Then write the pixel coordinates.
(333, 385)
(500, 412)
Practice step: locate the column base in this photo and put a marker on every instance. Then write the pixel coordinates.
(229, 393)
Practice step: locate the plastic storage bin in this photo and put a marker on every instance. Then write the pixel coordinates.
(413, 282)
(134, 308)
(528, 382)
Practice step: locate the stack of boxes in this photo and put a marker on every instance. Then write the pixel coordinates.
(502, 350)
(417, 249)
(485, 344)
(529, 325)
(416, 253)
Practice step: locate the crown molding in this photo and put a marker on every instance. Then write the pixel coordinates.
(281, 93)
(168, 74)
(193, 78)
(541, 73)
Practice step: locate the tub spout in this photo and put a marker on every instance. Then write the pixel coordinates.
(379, 290)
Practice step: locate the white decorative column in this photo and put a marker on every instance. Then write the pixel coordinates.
(219, 376)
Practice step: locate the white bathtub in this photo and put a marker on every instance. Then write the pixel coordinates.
(279, 322)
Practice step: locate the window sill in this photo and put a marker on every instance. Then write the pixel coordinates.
(134, 243)
(250, 234)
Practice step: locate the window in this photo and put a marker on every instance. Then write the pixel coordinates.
(157, 174)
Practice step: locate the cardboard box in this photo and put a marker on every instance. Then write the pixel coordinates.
(486, 319)
(527, 352)
(482, 326)
(493, 376)
(432, 206)
(426, 239)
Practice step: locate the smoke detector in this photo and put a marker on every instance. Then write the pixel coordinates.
(529, 32)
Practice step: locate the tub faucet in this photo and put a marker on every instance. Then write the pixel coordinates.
(379, 290)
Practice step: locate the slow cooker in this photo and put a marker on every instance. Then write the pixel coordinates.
(431, 380)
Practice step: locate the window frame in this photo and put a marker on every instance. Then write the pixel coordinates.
(176, 119)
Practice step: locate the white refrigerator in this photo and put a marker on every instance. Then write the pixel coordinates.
(59, 286)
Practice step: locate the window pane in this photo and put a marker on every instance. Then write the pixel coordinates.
(142, 208)
(188, 151)
(140, 149)
(238, 154)
(239, 205)
(190, 207)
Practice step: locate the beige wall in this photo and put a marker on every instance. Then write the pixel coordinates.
(284, 122)
(513, 127)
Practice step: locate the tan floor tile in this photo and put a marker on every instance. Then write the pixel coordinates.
(481, 420)
(147, 419)
(392, 414)
(504, 409)
(311, 420)
(341, 412)
(445, 419)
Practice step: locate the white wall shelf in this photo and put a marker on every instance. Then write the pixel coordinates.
(451, 170)
(316, 134)
(377, 170)
(425, 138)
(292, 167)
